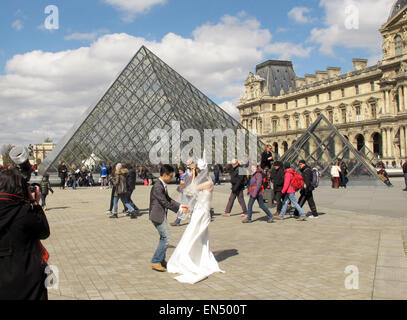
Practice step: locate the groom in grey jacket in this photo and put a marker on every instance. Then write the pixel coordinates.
(160, 202)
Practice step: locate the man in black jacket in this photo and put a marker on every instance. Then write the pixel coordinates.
(405, 172)
(217, 170)
(62, 174)
(277, 177)
(266, 158)
(238, 183)
(131, 185)
(306, 191)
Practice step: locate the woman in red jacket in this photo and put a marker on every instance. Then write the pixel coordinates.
(256, 192)
(290, 194)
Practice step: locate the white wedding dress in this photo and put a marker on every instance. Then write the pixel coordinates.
(192, 258)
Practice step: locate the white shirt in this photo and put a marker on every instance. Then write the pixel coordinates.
(335, 171)
(165, 185)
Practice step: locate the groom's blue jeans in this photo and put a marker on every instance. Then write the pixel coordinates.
(164, 231)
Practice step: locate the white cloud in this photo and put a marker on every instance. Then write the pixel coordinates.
(47, 92)
(230, 108)
(17, 25)
(286, 50)
(299, 14)
(372, 14)
(131, 8)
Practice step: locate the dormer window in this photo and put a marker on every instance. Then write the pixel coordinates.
(398, 45)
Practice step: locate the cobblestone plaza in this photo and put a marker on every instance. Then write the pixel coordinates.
(100, 258)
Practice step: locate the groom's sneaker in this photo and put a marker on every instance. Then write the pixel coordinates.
(158, 267)
(164, 264)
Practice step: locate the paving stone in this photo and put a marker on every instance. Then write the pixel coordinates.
(100, 258)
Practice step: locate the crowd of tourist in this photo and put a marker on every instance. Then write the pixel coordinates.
(280, 179)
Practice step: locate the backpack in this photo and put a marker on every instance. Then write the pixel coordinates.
(266, 181)
(297, 182)
(315, 178)
(251, 188)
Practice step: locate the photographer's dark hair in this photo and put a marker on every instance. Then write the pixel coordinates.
(13, 182)
(166, 169)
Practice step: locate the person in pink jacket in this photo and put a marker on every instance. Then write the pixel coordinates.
(256, 192)
(289, 191)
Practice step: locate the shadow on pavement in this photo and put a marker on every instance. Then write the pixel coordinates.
(225, 254)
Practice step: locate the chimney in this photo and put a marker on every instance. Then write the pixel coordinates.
(333, 72)
(310, 78)
(322, 75)
(300, 82)
(359, 64)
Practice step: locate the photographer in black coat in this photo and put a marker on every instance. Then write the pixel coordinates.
(306, 191)
(22, 225)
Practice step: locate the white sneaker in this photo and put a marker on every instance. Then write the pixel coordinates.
(108, 212)
(313, 217)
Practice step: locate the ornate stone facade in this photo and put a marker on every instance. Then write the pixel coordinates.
(41, 151)
(367, 105)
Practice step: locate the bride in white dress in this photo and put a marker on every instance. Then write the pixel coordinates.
(192, 258)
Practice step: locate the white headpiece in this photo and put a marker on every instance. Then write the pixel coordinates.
(201, 164)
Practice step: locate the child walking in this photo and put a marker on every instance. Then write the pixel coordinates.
(45, 189)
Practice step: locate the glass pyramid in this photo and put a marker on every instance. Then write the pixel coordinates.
(148, 94)
(322, 144)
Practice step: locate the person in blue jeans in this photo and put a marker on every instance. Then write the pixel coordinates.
(121, 192)
(74, 176)
(405, 172)
(289, 190)
(256, 192)
(160, 203)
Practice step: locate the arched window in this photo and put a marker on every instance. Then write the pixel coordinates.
(398, 45)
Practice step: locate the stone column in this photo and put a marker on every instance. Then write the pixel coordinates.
(389, 143)
(402, 142)
(404, 98)
(384, 143)
(401, 98)
(386, 102)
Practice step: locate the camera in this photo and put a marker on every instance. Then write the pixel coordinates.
(19, 155)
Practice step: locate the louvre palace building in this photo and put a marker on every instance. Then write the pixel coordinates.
(367, 105)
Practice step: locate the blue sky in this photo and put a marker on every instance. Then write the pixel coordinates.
(189, 35)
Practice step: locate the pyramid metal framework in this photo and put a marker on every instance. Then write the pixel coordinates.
(322, 144)
(148, 94)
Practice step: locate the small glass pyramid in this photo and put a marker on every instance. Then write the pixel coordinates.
(322, 144)
(148, 94)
